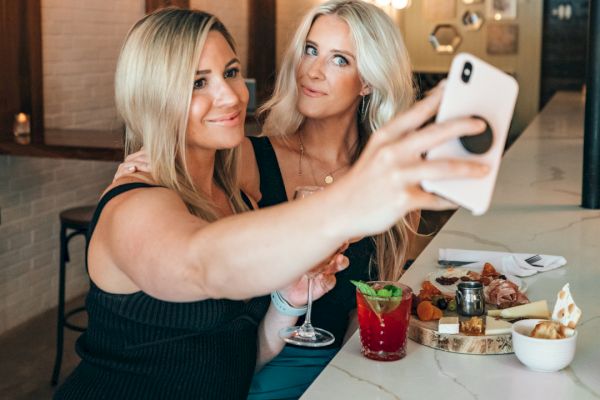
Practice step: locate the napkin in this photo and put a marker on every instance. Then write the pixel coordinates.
(505, 263)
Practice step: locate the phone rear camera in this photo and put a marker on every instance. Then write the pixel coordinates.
(467, 72)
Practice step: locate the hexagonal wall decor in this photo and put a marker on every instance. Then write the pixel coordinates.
(472, 20)
(445, 39)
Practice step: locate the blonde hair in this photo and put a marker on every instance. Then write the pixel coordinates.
(383, 64)
(153, 90)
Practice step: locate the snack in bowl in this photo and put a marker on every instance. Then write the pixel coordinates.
(548, 346)
(542, 355)
(550, 330)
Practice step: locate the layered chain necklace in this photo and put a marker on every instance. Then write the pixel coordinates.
(329, 178)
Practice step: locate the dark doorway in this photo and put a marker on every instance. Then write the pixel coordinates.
(564, 46)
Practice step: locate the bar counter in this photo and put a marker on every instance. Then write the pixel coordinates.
(536, 209)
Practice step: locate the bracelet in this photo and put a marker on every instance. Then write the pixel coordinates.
(285, 308)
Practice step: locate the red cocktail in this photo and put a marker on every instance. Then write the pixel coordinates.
(383, 322)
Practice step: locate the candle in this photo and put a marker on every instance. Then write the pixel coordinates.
(22, 129)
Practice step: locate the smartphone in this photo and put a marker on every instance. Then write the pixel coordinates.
(474, 89)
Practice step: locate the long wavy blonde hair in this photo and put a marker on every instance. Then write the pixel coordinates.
(153, 90)
(383, 63)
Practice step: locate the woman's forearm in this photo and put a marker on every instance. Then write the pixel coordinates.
(269, 342)
(254, 253)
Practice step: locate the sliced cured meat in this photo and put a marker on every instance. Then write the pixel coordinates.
(504, 294)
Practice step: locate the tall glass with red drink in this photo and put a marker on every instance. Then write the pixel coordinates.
(383, 320)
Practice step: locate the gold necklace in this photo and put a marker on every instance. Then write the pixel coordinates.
(329, 178)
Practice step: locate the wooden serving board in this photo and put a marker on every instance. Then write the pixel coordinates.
(425, 333)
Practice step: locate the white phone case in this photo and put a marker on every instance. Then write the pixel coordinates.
(490, 94)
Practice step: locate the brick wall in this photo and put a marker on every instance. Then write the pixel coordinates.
(81, 40)
(32, 193)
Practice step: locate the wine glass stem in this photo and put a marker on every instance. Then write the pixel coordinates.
(307, 327)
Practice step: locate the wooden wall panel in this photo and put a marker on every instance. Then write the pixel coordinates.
(152, 5)
(21, 66)
(10, 36)
(261, 46)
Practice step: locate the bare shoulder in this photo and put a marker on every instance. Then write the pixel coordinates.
(138, 177)
(249, 176)
(132, 212)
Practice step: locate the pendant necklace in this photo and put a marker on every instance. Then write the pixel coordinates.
(329, 178)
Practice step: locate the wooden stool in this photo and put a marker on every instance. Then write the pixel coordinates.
(73, 221)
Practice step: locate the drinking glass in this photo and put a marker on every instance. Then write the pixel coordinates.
(306, 334)
(383, 322)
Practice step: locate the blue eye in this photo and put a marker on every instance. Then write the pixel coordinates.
(199, 83)
(339, 60)
(232, 73)
(310, 50)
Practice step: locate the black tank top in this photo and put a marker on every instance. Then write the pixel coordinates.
(331, 311)
(139, 347)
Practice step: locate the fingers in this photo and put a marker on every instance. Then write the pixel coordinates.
(342, 262)
(429, 201)
(325, 284)
(433, 135)
(344, 247)
(336, 264)
(137, 166)
(444, 169)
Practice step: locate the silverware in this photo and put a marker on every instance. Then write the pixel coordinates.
(533, 259)
(452, 263)
(449, 263)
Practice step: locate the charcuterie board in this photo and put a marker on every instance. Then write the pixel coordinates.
(426, 333)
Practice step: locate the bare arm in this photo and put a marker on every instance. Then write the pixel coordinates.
(270, 344)
(173, 255)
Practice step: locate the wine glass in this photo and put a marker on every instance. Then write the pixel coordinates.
(306, 334)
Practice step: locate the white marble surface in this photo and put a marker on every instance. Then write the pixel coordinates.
(535, 209)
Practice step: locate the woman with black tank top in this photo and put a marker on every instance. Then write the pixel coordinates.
(159, 327)
(351, 70)
(173, 269)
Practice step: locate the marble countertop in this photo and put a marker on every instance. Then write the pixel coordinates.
(535, 210)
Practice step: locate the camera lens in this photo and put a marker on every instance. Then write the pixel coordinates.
(467, 72)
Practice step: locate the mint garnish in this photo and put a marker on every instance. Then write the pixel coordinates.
(387, 291)
(364, 288)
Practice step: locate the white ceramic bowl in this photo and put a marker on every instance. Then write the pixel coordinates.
(544, 355)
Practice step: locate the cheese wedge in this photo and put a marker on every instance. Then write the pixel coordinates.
(537, 309)
(495, 326)
(448, 325)
(565, 310)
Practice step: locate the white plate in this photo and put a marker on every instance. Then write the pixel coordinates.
(460, 272)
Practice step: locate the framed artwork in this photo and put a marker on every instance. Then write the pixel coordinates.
(502, 39)
(439, 10)
(501, 9)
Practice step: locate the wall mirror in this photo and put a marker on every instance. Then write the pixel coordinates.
(472, 20)
(445, 39)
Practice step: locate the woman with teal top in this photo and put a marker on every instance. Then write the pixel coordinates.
(345, 73)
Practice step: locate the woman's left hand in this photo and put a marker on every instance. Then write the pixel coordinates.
(297, 293)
